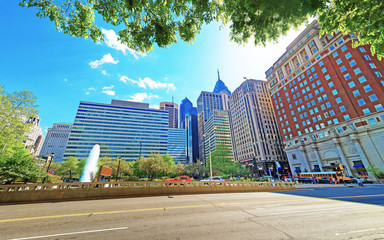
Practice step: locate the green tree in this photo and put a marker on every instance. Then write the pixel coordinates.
(196, 170)
(15, 108)
(155, 165)
(377, 172)
(17, 164)
(179, 169)
(125, 167)
(69, 167)
(145, 23)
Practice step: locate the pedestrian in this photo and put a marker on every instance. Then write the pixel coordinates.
(360, 182)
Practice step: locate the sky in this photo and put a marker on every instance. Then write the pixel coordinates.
(62, 70)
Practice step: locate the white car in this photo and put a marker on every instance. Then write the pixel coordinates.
(215, 178)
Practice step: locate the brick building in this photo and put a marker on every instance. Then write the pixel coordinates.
(328, 98)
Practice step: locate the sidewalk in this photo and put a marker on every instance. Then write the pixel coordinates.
(304, 186)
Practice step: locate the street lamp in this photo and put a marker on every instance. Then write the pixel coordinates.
(210, 153)
(140, 149)
(49, 164)
(118, 168)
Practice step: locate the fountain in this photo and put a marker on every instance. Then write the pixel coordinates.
(90, 167)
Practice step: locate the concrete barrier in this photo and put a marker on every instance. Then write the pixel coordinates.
(71, 191)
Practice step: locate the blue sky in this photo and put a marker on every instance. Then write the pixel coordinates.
(62, 70)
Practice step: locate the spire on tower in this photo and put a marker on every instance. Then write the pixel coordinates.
(218, 74)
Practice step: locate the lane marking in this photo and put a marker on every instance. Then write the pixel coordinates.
(313, 210)
(174, 207)
(357, 231)
(72, 233)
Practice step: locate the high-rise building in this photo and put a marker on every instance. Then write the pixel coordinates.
(256, 139)
(328, 99)
(206, 104)
(217, 132)
(34, 139)
(122, 129)
(56, 141)
(177, 145)
(173, 110)
(188, 122)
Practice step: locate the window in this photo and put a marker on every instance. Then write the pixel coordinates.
(335, 121)
(367, 57)
(342, 109)
(357, 71)
(361, 102)
(372, 65)
(347, 76)
(362, 79)
(317, 57)
(366, 111)
(356, 93)
(327, 77)
(351, 84)
(379, 107)
(343, 48)
(324, 70)
(346, 117)
(373, 97)
(378, 74)
(334, 92)
(330, 84)
(328, 104)
(335, 54)
(367, 88)
(338, 61)
(352, 63)
(372, 121)
(340, 41)
(338, 100)
(343, 69)
(348, 55)
(321, 63)
(362, 49)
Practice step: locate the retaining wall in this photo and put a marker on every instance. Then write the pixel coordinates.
(71, 191)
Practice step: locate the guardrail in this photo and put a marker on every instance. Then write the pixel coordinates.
(70, 191)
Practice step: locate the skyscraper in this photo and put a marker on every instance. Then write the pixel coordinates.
(328, 99)
(56, 140)
(173, 110)
(188, 121)
(206, 104)
(34, 139)
(122, 129)
(256, 139)
(176, 147)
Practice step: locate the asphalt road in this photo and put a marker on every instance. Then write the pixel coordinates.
(326, 213)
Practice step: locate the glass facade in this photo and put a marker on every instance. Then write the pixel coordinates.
(177, 145)
(122, 129)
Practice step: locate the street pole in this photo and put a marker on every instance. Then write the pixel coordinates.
(118, 168)
(140, 149)
(210, 157)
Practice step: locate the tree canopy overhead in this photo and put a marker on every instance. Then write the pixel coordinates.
(144, 23)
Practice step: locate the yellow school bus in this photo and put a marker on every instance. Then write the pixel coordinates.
(338, 175)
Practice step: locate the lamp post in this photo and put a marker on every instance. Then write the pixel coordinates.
(140, 149)
(210, 153)
(118, 169)
(49, 164)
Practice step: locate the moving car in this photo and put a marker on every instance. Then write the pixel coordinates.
(366, 180)
(304, 180)
(180, 179)
(324, 180)
(215, 178)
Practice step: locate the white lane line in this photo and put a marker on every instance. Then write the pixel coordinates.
(357, 231)
(313, 210)
(72, 233)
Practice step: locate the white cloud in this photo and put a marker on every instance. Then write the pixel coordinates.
(154, 106)
(148, 83)
(108, 90)
(65, 80)
(112, 41)
(139, 97)
(92, 89)
(107, 58)
(104, 73)
(87, 93)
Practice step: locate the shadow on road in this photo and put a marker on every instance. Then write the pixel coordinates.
(371, 194)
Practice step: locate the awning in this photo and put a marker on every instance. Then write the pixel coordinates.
(316, 169)
(297, 170)
(358, 165)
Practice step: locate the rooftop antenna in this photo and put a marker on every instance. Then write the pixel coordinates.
(172, 99)
(218, 74)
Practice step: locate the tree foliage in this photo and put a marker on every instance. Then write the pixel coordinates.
(17, 164)
(377, 172)
(156, 165)
(15, 108)
(125, 168)
(196, 170)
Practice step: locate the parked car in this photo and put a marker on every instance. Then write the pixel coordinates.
(215, 178)
(304, 180)
(353, 179)
(366, 180)
(324, 180)
(180, 179)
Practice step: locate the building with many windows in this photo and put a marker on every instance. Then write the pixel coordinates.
(176, 147)
(255, 136)
(188, 122)
(56, 140)
(122, 129)
(173, 110)
(216, 132)
(207, 103)
(34, 138)
(328, 99)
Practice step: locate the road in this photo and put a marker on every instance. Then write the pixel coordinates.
(327, 213)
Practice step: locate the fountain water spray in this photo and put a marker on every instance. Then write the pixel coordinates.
(90, 167)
